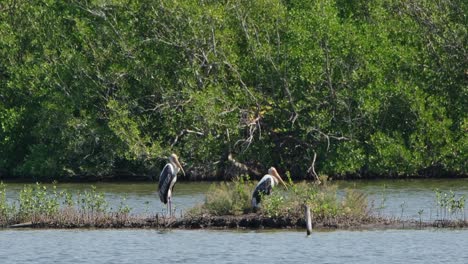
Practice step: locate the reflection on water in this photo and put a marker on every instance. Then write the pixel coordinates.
(397, 198)
(184, 246)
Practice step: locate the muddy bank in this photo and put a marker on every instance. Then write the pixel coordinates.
(248, 221)
(254, 221)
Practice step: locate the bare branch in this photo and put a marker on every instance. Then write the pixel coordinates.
(242, 166)
(312, 169)
(184, 132)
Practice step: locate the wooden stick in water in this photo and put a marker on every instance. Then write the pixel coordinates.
(308, 220)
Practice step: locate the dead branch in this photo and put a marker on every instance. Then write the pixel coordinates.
(312, 169)
(242, 166)
(184, 132)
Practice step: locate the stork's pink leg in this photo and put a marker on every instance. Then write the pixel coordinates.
(170, 206)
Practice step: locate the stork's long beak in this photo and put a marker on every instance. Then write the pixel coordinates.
(180, 166)
(276, 174)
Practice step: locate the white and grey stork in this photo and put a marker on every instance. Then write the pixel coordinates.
(167, 180)
(265, 185)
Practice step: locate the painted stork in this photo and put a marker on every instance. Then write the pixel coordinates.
(167, 180)
(265, 185)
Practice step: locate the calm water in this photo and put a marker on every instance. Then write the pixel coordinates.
(184, 246)
(405, 198)
(397, 198)
(141, 197)
(394, 198)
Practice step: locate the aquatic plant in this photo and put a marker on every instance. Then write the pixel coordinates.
(403, 206)
(5, 208)
(124, 208)
(92, 201)
(449, 205)
(37, 200)
(420, 212)
(383, 200)
(37, 203)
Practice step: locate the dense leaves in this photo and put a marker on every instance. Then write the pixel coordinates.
(347, 88)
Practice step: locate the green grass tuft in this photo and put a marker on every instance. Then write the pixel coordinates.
(234, 198)
(229, 198)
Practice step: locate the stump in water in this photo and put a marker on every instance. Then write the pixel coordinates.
(308, 219)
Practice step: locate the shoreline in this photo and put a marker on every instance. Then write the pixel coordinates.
(208, 180)
(241, 222)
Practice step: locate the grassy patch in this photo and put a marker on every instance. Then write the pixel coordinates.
(234, 198)
(322, 199)
(227, 198)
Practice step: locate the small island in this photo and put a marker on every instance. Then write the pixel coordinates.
(227, 206)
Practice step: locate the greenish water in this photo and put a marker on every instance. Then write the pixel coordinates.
(396, 198)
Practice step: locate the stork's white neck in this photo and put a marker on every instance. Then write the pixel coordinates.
(275, 181)
(176, 168)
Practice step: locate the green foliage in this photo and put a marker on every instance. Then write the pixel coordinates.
(449, 206)
(100, 88)
(124, 208)
(273, 205)
(91, 201)
(234, 198)
(37, 203)
(6, 209)
(322, 200)
(37, 200)
(229, 198)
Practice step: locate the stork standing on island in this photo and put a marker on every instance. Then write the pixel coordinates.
(265, 185)
(167, 180)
